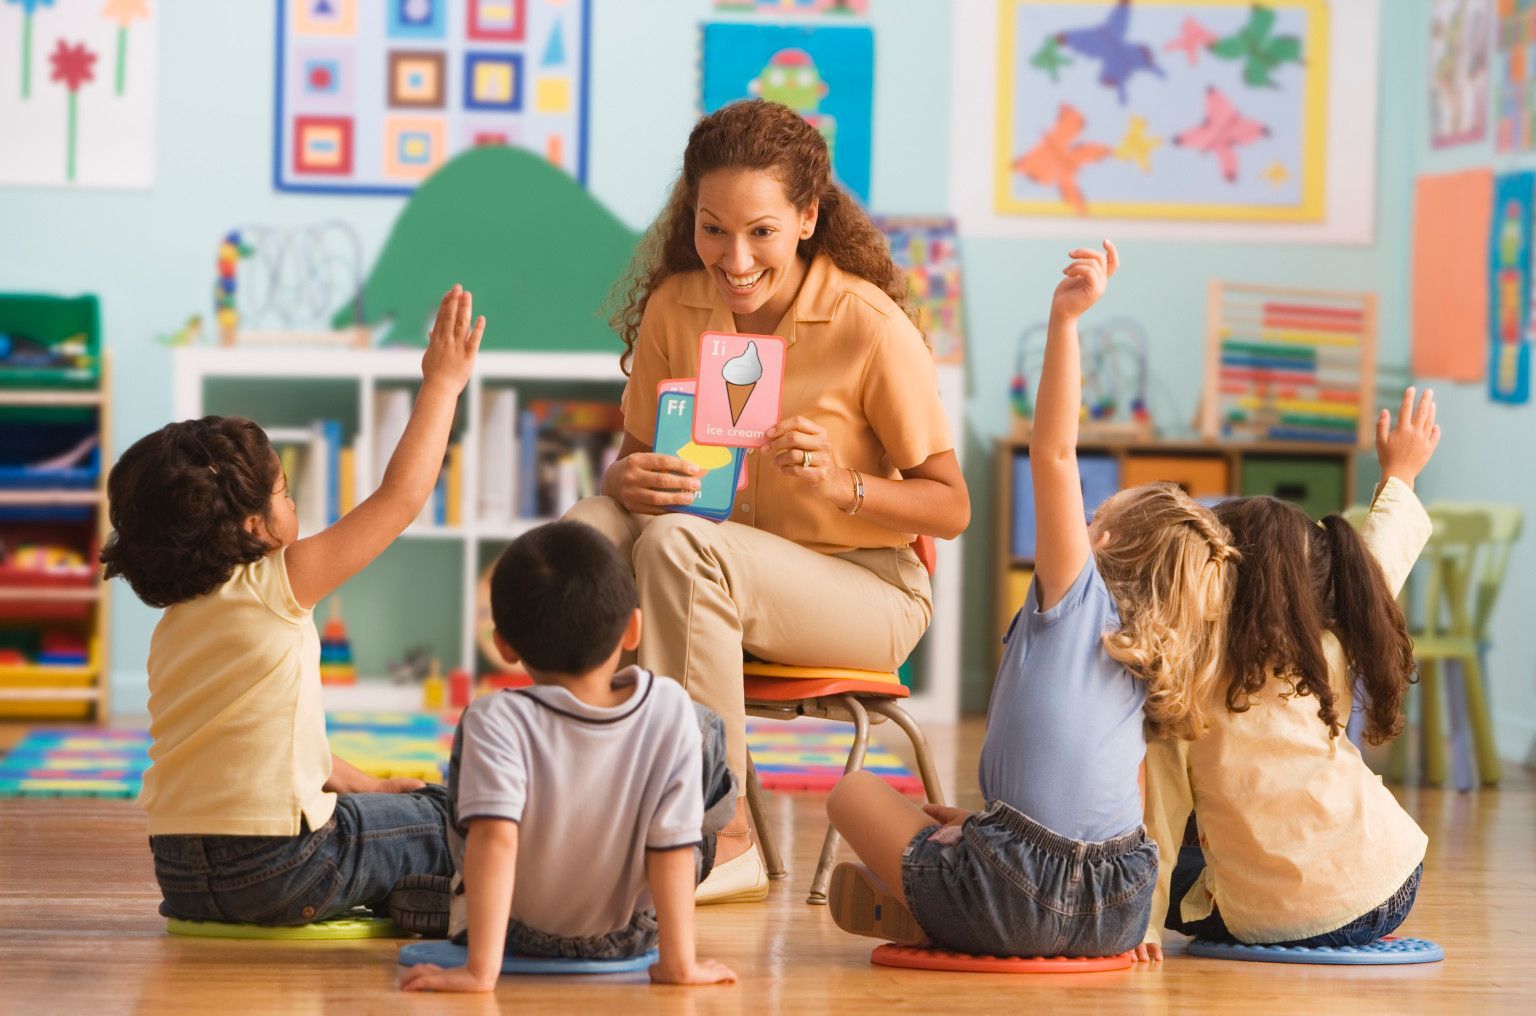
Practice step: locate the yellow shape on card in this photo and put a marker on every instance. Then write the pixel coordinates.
(552, 95)
(705, 456)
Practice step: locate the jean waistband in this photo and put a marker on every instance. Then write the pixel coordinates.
(1021, 825)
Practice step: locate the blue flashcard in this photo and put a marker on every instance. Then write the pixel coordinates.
(674, 436)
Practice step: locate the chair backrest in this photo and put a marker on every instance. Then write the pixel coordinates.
(927, 552)
(1475, 541)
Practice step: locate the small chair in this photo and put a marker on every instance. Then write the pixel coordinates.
(1467, 558)
(860, 697)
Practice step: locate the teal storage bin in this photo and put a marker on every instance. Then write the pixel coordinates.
(49, 341)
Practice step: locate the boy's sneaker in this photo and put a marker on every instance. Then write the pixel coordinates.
(419, 903)
(861, 904)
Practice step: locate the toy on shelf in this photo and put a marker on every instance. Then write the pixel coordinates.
(285, 282)
(413, 668)
(336, 664)
(434, 690)
(1289, 365)
(1115, 379)
(461, 689)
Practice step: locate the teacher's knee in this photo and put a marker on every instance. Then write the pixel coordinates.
(602, 513)
(672, 541)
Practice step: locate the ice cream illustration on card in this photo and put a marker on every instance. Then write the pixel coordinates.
(741, 380)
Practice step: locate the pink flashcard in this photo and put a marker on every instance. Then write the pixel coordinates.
(741, 385)
(690, 386)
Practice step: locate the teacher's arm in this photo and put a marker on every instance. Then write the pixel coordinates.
(930, 499)
(646, 483)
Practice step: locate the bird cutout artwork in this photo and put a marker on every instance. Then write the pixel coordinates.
(1261, 51)
(1050, 59)
(1120, 58)
(1137, 145)
(1193, 39)
(1056, 159)
(1222, 131)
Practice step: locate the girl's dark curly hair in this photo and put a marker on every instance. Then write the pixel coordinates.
(1297, 580)
(758, 135)
(178, 500)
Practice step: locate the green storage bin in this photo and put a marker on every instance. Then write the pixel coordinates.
(1314, 483)
(29, 320)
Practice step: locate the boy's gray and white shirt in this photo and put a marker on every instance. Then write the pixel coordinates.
(592, 790)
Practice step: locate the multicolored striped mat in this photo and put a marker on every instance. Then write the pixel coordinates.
(804, 755)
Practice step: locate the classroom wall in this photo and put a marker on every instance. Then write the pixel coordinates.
(1487, 453)
(149, 254)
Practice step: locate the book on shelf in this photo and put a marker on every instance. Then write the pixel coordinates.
(498, 456)
(563, 448)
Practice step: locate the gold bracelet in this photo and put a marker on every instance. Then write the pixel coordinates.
(858, 492)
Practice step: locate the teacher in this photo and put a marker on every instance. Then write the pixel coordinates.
(815, 565)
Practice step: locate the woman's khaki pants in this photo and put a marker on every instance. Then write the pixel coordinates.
(710, 591)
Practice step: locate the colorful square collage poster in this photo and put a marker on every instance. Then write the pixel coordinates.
(374, 96)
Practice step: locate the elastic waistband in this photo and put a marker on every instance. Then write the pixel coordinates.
(1027, 829)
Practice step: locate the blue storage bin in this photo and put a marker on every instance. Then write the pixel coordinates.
(1100, 475)
(24, 445)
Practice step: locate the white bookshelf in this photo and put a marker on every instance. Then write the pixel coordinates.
(369, 370)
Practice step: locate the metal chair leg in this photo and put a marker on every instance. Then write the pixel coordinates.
(760, 822)
(829, 845)
(897, 715)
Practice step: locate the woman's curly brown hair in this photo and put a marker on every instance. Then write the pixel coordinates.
(760, 135)
(1297, 580)
(178, 500)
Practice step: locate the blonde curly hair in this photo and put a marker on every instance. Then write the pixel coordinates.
(1171, 568)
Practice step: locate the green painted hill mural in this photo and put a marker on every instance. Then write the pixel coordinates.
(540, 254)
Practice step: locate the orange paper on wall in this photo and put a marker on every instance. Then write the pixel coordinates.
(1451, 218)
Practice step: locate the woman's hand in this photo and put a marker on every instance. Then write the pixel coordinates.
(1405, 449)
(1086, 278)
(454, 341)
(801, 449)
(646, 483)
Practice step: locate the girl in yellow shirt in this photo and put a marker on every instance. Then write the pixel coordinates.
(251, 819)
(1300, 843)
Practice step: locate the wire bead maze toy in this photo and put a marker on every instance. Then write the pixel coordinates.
(1115, 379)
(284, 280)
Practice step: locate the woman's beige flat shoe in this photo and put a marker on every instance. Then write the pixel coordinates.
(742, 879)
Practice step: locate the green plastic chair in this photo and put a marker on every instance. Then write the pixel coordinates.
(1466, 561)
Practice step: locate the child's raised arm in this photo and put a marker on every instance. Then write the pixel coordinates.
(1061, 542)
(1405, 449)
(318, 565)
(670, 874)
(490, 870)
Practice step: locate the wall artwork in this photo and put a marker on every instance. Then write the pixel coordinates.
(825, 74)
(1451, 224)
(374, 96)
(1459, 38)
(1515, 80)
(1225, 116)
(927, 248)
(77, 93)
(1509, 292)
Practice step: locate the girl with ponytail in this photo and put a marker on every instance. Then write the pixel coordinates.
(1299, 841)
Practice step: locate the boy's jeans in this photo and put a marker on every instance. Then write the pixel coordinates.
(641, 934)
(353, 860)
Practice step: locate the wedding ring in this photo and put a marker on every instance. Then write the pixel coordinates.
(805, 460)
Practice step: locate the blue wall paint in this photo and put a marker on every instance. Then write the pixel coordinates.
(150, 254)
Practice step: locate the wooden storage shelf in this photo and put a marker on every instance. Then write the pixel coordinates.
(1247, 464)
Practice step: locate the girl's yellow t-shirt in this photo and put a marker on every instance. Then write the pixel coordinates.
(235, 712)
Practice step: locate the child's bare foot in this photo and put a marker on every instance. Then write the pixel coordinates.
(862, 905)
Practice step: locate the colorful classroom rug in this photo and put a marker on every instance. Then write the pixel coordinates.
(804, 755)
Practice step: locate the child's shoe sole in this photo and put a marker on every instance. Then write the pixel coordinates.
(862, 905)
(419, 903)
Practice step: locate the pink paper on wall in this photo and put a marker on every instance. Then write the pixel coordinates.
(1451, 218)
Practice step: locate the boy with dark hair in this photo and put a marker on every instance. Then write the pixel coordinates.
(583, 802)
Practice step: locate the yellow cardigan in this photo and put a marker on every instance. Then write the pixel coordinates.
(1299, 836)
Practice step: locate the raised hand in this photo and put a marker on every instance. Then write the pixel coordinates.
(1405, 449)
(454, 341)
(1086, 278)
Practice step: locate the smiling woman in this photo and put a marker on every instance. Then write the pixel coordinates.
(815, 564)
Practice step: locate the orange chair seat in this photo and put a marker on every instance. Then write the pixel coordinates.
(777, 682)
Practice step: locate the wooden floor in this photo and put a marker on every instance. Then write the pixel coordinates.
(79, 934)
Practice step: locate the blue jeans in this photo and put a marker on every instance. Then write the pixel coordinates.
(1363, 930)
(354, 860)
(1002, 884)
